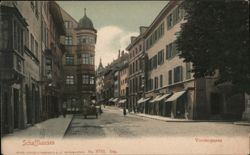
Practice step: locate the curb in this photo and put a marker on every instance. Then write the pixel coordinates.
(185, 121)
(68, 126)
(197, 121)
(242, 123)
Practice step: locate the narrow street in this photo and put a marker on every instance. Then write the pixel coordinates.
(112, 123)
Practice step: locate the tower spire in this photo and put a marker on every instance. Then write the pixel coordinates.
(100, 64)
(84, 11)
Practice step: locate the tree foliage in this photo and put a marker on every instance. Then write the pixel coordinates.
(214, 37)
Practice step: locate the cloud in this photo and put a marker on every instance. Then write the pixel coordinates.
(109, 40)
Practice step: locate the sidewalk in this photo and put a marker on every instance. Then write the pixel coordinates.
(161, 118)
(51, 128)
(168, 119)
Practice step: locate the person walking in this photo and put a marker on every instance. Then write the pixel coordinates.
(124, 112)
(64, 110)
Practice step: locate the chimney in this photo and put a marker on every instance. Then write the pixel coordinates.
(122, 53)
(143, 29)
(119, 54)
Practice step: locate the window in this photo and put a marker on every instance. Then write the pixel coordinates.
(92, 80)
(15, 35)
(136, 65)
(170, 22)
(170, 77)
(156, 82)
(70, 80)
(188, 70)
(5, 35)
(36, 48)
(68, 40)
(178, 74)
(36, 9)
(140, 64)
(48, 67)
(155, 36)
(133, 70)
(136, 84)
(149, 64)
(47, 37)
(131, 85)
(31, 43)
(68, 24)
(155, 61)
(151, 84)
(130, 69)
(91, 59)
(84, 58)
(160, 57)
(140, 48)
(85, 40)
(69, 60)
(85, 79)
(175, 17)
(161, 80)
(171, 50)
(17, 38)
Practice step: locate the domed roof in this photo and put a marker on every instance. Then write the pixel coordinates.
(85, 22)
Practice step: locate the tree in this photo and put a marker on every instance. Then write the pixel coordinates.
(214, 37)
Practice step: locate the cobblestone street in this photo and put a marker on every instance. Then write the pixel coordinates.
(112, 123)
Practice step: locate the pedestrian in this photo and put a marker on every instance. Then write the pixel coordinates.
(124, 112)
(64, 108)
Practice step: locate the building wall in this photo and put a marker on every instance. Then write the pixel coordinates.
(123, 81)
(78, 92)
(136, 72)
(31, 65)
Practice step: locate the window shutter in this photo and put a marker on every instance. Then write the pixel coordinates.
(181, 73)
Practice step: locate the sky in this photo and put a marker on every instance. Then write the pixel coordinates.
(115, 22)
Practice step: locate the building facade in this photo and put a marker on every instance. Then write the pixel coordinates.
(136, 65)
(167, 74)
(171, 87)
(78, 61)
(52, 28)
(123, 89)
(22, 64)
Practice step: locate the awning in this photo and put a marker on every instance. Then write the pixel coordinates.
(162, 97)
(115, 100)
(142, 100)
(156, 98)
(111, 99)
(122, 101)
(146, 99)
(175, 96)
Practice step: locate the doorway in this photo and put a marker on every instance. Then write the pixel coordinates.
(29, 120)
(16, 107)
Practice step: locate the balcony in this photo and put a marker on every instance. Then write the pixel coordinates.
(11, 65)
(85, 47)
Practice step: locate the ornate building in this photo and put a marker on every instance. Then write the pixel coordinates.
(78, 61)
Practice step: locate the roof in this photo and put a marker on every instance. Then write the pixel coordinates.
(85, 22)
